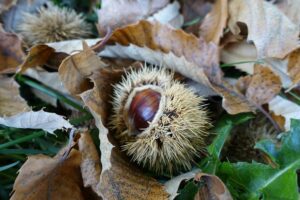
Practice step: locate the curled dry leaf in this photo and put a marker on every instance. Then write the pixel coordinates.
(213, 188)
(75, 70)
(163, 46)
(114, 14)
(90, 162)
(52, 56)
(43, 54)
(273, 34)
(43, 177)
(261, 87)
(284, 108)
(36, 120)
(38, 55)
(214, 23)
(11, 103)
(173, 184)
(11, 53)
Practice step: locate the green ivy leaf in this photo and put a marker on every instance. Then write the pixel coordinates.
(260, 181)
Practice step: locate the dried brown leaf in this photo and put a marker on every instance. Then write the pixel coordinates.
(233, 101)
(213, 188)
(261, 87)
(11, 103)
(75, 70)
(90, 162)
(294, 66)
(273, 34)
(214, 22)
(11, 53)
(43, 177)
(177, 50)
(38, 55)
(114, 14)
(162, 45)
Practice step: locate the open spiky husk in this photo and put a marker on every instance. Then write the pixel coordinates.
(177, 133)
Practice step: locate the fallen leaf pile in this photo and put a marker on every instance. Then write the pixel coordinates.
(245, 53)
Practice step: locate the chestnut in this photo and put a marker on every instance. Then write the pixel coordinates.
(143, 108)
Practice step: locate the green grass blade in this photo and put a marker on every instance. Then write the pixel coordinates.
(22, 139)
(80, 120)
(296, 96)
(22, 151)
(192, 22)
(5, 167)
(242, 62)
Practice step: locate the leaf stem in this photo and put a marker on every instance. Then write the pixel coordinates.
(192, 22)
(241, 62)
(296, 97)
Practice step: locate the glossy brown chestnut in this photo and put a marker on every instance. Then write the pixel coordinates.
(143, 108)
